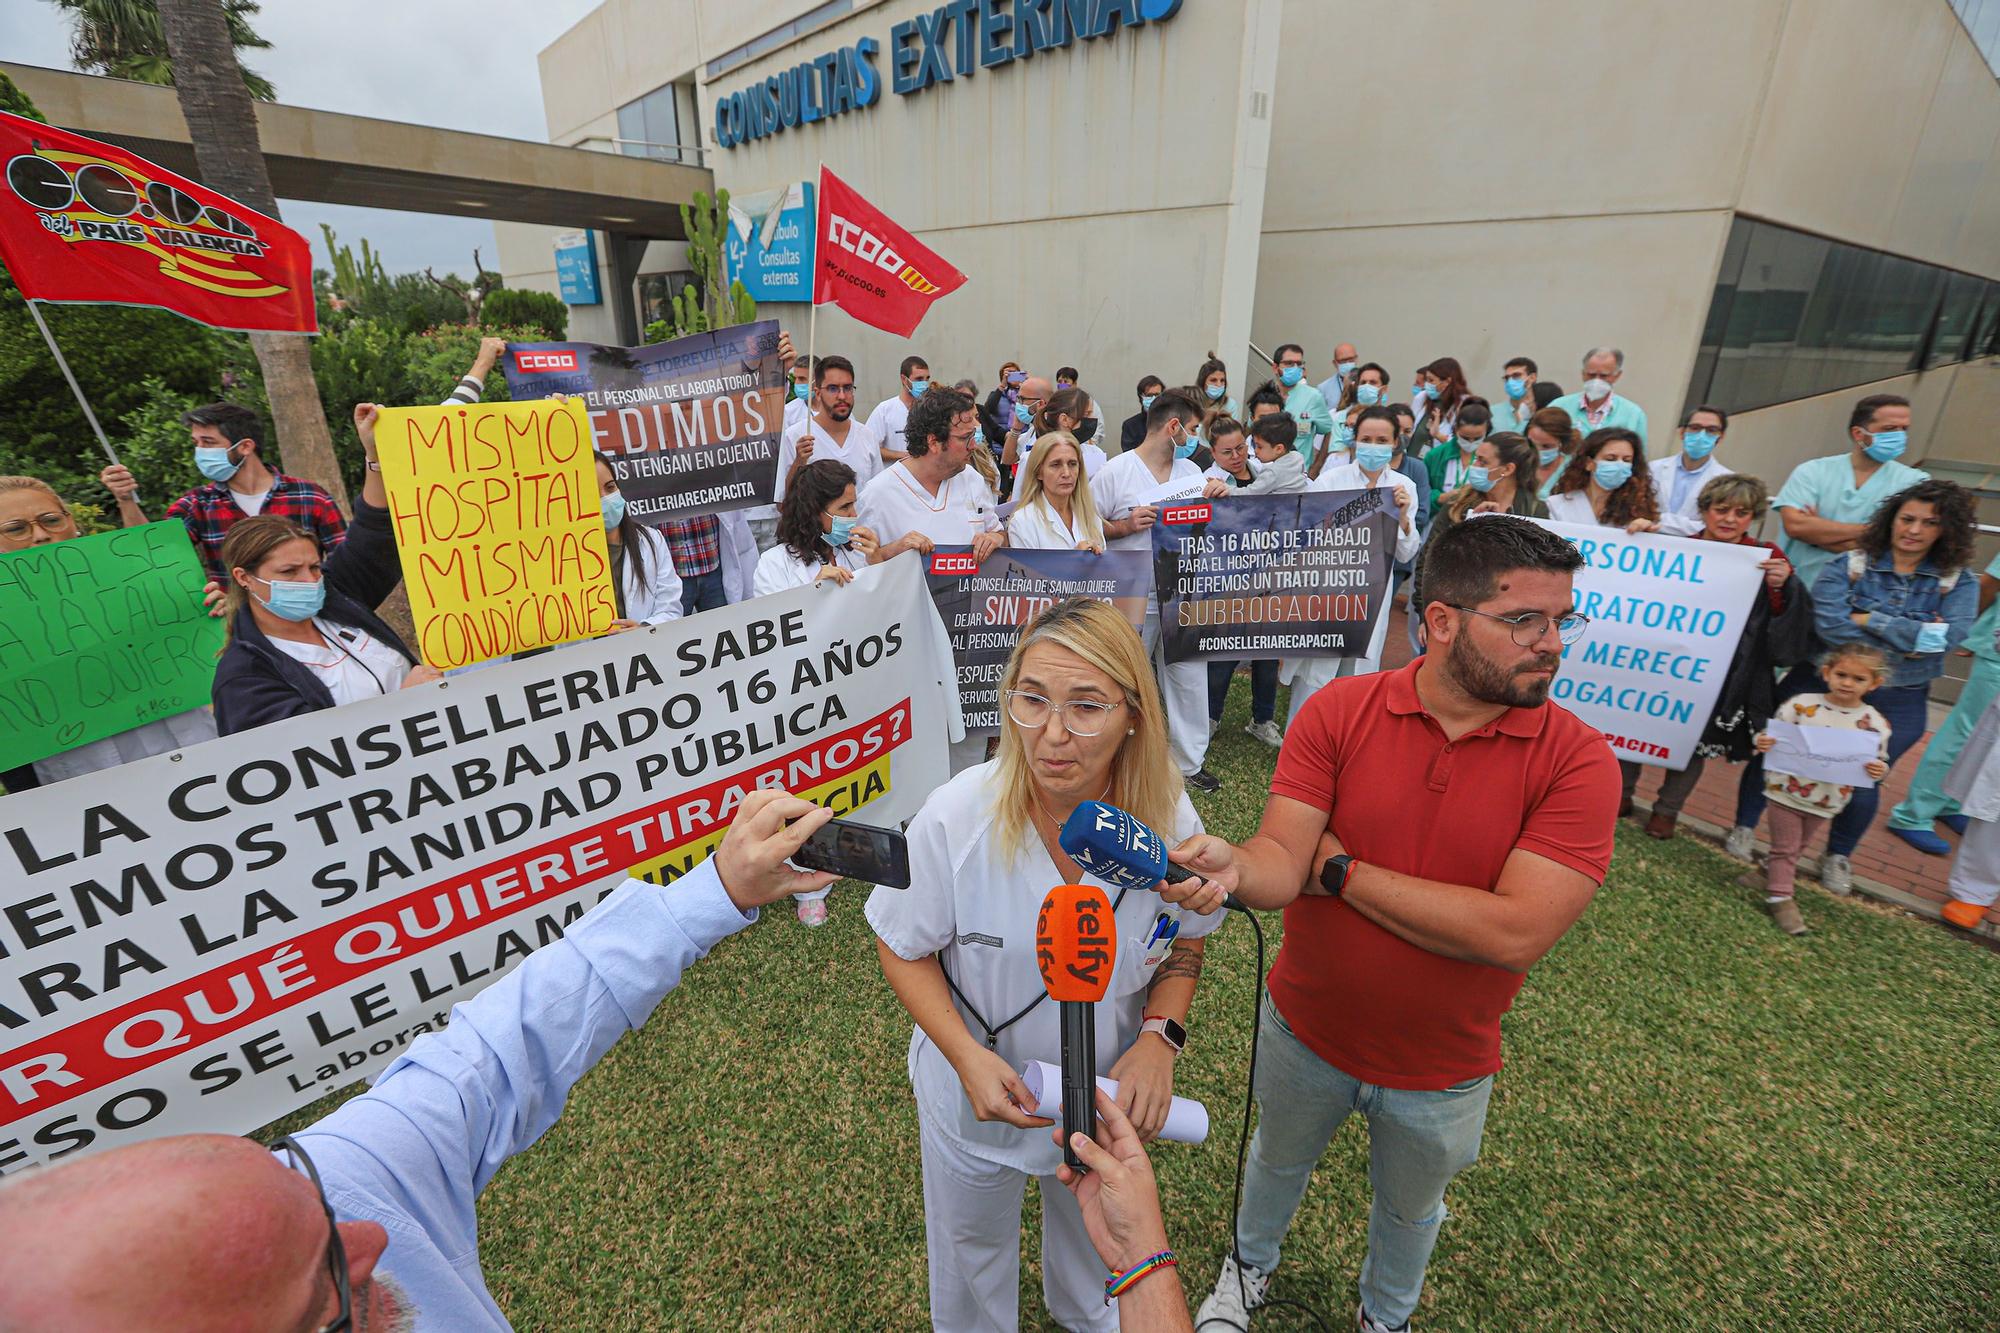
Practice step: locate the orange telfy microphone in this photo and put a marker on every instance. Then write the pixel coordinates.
(1076, 948)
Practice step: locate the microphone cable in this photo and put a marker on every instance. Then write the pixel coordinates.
(1242, 1156)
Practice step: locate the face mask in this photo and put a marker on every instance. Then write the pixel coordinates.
(979, 434)
(293, 601)
(843, 529)
(1146, 401)
(1344, 368)
(1215, 391)
(1291, 375)
(1479, 479)
(1699, 444)
(1550, 455)
(1517, 388)
(1065, 384)
(1612, 475)
(1419, 389)
(1931, 637)
(1021, 414)
(1085, 429)
(1343, 434)
(1374, 457)
(917, 388)
(801, 391)
(1186, 448)
(1368, 394)
(216, 464)
(1596, 391)
(1884, 446)
(614, 509)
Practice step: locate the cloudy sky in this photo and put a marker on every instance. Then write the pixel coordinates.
(459, 64)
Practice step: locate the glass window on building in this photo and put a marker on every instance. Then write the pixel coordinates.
(1794, 316)
(658, 290)
(651, 127)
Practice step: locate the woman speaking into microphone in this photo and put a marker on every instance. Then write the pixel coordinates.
(1081, 721)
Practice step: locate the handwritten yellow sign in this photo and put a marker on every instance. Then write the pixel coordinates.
(497, 519)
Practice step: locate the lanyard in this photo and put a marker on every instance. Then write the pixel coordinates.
(993, 1033)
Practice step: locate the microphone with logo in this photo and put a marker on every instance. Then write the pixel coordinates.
(1076, 946)
(1110, 844)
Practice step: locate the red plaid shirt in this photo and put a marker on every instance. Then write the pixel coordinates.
(209, 513)
(696, 544)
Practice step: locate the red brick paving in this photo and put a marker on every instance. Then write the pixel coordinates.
(1885, 860)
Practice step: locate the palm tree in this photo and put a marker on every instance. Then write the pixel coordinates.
(215, 99)
(122, 38)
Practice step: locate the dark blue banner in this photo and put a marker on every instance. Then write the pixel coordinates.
(1273, 575)
(984, 606)
(692, 424)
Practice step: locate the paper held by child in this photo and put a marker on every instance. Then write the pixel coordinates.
(1822, 754)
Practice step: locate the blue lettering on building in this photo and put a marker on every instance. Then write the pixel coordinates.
(953, 41)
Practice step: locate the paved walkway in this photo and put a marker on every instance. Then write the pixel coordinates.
(1885, 867)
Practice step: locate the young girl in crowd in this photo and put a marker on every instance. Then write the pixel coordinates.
(1800, 807)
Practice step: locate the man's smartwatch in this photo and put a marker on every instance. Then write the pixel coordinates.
(1174, 1033)
(1333, 875)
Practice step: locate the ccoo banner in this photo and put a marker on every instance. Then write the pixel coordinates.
(983, 607)
(1665, 615)
(1273, 575)
(206, 940)
(691, 425)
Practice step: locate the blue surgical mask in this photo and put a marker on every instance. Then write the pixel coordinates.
(1368, 394)
(1613, 474)
(979, 434)
(614, 509)
(1021, 414)
(1884, 445)
(1215, 391)
(801, 391)
(1517, 388)
(1550, 455)
(1186, 448)
(1699, 444)
(1146, 401)
(1931, 637)
(1479, 479)
(1345, 368)
(1374, 457)
(298, 601)
(216, 464)
(1291, 375)
(1343, 434)
(843, 529)
(917, 388)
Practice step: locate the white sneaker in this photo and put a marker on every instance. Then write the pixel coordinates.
(1836, 875)
(1213, 723)
(1267, 732)
(1368, 1325)
(1237, 1292)
(1740, 842)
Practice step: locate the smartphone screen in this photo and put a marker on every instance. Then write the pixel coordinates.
(857, 851)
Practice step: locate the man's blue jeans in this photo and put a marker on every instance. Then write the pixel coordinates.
(1417, 1141)
(703, 592)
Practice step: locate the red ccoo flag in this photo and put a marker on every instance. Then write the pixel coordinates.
(82, 220)
(872, 268)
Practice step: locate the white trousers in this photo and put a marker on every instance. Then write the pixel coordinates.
(972, 1226)
(1309, 675)
(1975, 872)
(1184, 689)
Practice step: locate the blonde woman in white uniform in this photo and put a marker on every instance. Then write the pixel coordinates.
(1056, 512)
(1081, 720)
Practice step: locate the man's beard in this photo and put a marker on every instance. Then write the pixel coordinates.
(840, 411)
(402, 1317)
(1487, 681)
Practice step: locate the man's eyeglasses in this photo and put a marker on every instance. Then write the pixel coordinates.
(1530, 626)
(53, 521)
(1083, 717)
(336, 1253)
(837, 390)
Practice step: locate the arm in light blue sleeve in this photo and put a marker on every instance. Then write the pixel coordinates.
(430, 1133)
(1959, 609)
(1833, 606)
(1318, 413)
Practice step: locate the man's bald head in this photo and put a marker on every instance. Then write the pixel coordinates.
(202, 1231)
(1035, 393)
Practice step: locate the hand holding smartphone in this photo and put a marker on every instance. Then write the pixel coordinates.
(857, 851)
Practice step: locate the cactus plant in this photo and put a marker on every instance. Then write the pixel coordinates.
(718, 303)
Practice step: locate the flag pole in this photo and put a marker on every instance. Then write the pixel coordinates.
(34, 308)
(812, 318)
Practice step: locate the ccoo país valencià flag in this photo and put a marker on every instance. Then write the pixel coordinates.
(872, 268)
(83, 220)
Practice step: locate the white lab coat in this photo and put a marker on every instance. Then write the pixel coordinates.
(1308, 674)
(656, 598)
(1038, 527)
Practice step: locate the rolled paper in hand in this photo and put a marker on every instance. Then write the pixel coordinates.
(1187, 1119)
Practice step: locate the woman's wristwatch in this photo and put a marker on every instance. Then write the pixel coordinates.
(1173, 1033)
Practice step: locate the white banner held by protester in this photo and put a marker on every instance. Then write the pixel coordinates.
(1665, 615)
(206, 940)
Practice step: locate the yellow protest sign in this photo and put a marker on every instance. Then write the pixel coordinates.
(496, 514)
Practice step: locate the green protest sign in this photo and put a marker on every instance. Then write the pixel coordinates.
(99, 635)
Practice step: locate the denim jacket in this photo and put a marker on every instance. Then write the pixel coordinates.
(1898, 605)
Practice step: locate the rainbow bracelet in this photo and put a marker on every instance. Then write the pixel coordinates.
(1119, 1283)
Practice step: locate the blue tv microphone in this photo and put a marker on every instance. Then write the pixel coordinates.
(1110, 844)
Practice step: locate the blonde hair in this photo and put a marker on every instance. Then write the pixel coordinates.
(983, 464)
(1145, 781)
(1083, 510)
(1867, 654)
(31, 484)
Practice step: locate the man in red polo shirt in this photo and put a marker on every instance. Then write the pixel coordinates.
(1431, 832)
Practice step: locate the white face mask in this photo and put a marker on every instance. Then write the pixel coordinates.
(1596, 391)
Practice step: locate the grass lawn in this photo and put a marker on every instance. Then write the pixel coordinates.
(1702, 1124)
